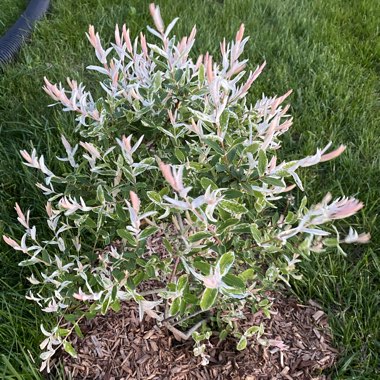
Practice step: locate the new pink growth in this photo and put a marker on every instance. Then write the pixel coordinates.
(127, 142)
(26, 156)
(252, 78)
(91, 149)
(21, 217)
(363, 238)
(92, 36)
(73, 85)
(247, 85)
(156, 15)
(199, 62)
(334, 154)
(285, 125)
(11, 242)
(223, 47)
(49, 209)
(354, 237)
(83, 296)
(117, 36)
(144, 46)
(213, 281)
(343, 208)
(209, 69)
(66, 204)
(240, 34)
(57, 94)
(279, 100)
(114, 73)
(135, 201)
(127, 39)
(174, 178)
(167, 173)
(94, 39)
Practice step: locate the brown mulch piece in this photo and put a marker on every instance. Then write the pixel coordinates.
(118, 347)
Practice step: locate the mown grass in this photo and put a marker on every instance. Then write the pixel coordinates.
(10, 11)
(327, 51)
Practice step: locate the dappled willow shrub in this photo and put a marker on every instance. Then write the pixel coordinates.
(172, 150)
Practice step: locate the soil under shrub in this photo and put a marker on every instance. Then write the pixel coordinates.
(118, 346)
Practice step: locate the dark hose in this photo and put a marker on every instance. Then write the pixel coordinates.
(12, 41)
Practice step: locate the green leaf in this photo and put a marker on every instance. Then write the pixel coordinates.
(331, 242)
(242, 345)
(232, 207)
(166, 132)
(138, 278)
(206, 182)
(234, 281)
(143, 165)
(248, 274)
(182, 282)
(232, 152)
(232, 194)
(148, 232)
(224, 118)
(255, 232)
(302, 205)
(67, 346)
(199, 236)
(226, 224)
(78, 331)
(141, 262)
(63, 332)
(225, 263)
(253, 148)
(208, 298)
(154, 197)
(90, 223)
(214, 145)
(201, 73)
(70, 317)
(115, 306)
(126, 235)
(260, 204)
(251, 331)
(167, 245)
(121, 214)
(178, 75)
(223, 334)
(273, 181)
(100, 194)
(291, 218)
(174, 308)
(196, 166)
(202, 266)
(242, 228)
(263, 163)
(105, 305)
(221, 168)
(157, 80)
(263, 303)
(180, 155)
(128, 174)
(100, 221)
(28, 262)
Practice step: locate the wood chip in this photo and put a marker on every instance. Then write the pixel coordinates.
(118, 346)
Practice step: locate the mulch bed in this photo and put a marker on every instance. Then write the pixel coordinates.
(118, 347)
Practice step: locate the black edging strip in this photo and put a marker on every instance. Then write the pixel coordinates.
(12, 41)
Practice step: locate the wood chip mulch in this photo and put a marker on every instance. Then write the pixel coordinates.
(118, 347)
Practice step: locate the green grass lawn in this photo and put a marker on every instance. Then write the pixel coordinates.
(327, 51)
(10, 11)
